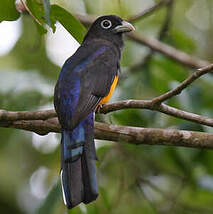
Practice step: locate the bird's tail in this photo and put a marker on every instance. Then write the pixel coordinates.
(78, 170)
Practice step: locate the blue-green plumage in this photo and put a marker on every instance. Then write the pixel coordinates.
(85, 79)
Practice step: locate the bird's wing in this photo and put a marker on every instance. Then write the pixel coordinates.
(85, 79)
(96, 81)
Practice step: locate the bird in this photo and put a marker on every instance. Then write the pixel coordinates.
(86, 81)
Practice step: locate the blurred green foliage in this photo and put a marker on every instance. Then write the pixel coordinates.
(8, 11)
(132, 179)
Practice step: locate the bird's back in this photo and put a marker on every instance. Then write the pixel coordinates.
(88, 74)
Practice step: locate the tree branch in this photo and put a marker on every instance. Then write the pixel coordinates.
(43, 122)
(177, 55)
(148, 104)
(149, 11)
(156, 103)
(183, 85)
(158, 46)
(26, 115)
(153, 44)
(11, 118)
(132, 135)
(8, 119)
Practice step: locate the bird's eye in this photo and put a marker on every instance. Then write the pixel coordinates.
(106, 24)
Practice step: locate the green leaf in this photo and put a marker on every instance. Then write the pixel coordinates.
(8, 11)
(70, 23)
(37, 10)
(40, 29)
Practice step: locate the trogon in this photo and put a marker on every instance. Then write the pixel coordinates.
(87, 80)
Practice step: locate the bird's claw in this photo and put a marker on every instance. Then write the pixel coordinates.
(98, 108)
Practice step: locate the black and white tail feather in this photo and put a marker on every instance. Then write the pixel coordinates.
(78, 173)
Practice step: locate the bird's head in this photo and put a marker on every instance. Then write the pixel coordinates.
(109, 28)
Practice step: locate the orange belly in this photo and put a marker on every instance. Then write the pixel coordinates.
(106, 99)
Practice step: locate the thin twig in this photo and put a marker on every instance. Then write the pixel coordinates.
(183, 85)
(163, 32)
(149, 11)
(168, 19)
(28, 10)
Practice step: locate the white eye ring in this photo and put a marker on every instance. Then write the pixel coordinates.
(106, 24)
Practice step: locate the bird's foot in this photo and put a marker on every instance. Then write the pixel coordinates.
(98, 108)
